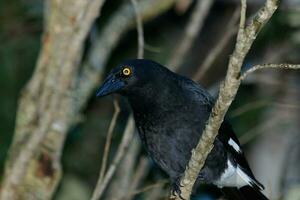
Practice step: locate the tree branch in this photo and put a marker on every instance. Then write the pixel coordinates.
(141, 171)
(231, 29)
(127, 136)
(121, 182)
(266, 66)
(148, 187)
(139, 26)
(228, 89)
(108, 139)
(44, 108)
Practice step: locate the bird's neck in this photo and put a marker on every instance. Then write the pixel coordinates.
(155, 99)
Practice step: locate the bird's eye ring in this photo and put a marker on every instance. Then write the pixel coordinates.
(126, 71)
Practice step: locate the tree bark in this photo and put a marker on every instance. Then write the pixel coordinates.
(46, 105)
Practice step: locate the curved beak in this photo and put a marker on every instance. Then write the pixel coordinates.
(109, 86)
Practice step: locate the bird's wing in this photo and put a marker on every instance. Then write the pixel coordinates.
(226, 133)
(232, 145)
(197, 92)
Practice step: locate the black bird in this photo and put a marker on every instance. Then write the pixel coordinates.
(170, 112)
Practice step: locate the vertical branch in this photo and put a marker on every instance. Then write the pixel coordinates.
(121, 182)
(127, 136)
(228, 90)
(141, 171)
(108, 139)
(139, 25)
(219, 47)
(191, 31)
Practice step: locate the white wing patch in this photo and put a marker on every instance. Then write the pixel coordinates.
(235, 146)
(233, 177)
(226, 177)
(248, 179)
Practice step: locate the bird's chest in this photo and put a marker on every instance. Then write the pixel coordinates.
(159, 144)
(151, 129)
(168, 138)
(156, 127)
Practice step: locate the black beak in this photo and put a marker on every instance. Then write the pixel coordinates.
(109, 86)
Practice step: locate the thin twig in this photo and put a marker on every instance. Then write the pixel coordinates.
(265, 66)
(156, 193)
(231, 29)
(255, 131)
(287, 105)
(248, 107)
(192, 29)
(258, 104)
(127, 136)
(152, 48)
(108, 139)
(121, 182)
(148, 187)
(140, 173)
(140, 31)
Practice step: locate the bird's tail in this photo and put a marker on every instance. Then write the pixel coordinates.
(244, 193)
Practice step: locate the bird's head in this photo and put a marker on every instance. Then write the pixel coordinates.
(131, 77)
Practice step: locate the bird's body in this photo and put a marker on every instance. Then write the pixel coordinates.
(170, 112)
(170, 130)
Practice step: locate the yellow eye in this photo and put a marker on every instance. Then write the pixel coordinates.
(126, 71)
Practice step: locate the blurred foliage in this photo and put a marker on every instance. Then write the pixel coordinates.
(21, 23)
